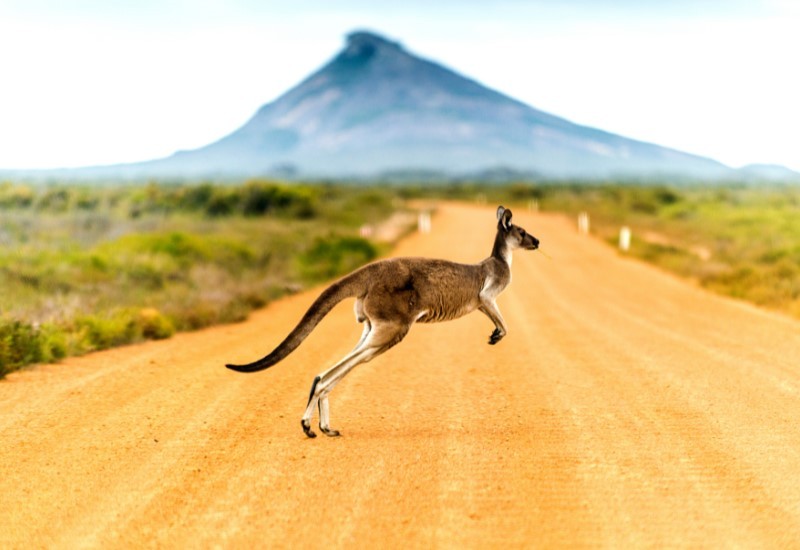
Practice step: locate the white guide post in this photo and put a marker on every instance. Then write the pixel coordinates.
(625, 238)
(583, 223)
(424, 222)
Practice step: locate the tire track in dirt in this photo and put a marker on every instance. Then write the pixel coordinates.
(624, 408)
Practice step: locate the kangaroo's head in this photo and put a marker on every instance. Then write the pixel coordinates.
(513, 235)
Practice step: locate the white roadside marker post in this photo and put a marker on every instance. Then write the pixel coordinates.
(583, 223)
(424, 222)
(625, 238)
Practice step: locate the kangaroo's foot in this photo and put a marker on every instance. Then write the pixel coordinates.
(496, 336)
(307, 428)
(329, 432)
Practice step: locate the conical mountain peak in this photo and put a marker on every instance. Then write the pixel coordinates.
(367, 55)
(366, 44)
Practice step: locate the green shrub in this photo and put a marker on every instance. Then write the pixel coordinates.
(196, 198)
(185, 249)
(54, 344)
(198, 315)
(146, 275)
(15, 196)
(221, 203)
(119, 327)
(20, 344)
(153, 325)
(56, 199)
(98, 332)
(331, 257)
(260, 197)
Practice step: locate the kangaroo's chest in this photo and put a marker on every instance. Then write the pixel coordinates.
(494, 285)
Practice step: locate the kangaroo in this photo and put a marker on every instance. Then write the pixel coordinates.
(393, 294)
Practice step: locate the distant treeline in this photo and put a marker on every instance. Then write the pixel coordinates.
(253, 198)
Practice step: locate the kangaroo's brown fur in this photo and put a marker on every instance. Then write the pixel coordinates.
(393, 294)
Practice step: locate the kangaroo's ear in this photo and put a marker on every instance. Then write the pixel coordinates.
(504, 217)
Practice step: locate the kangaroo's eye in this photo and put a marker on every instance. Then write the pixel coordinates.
(522, 232)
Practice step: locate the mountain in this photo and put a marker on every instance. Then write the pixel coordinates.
(767, 172)
(377, 109)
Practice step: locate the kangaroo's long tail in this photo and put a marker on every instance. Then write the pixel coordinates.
(349, 286)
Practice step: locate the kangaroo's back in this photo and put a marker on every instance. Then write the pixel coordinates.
(444, 290)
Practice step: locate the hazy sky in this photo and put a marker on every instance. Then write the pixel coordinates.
(102, 81)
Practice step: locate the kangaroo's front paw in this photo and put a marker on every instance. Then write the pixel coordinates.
(307, 428)
(496, 336)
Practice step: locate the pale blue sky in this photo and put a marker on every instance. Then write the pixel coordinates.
(94, 82)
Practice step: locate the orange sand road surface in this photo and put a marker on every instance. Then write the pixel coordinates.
(625, 408)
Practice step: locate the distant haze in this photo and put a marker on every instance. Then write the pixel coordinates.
(94, 82)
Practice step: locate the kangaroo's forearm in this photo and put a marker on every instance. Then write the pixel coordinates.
(492, 312)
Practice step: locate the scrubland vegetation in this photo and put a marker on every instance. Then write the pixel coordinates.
(743, 242)
(87, 268)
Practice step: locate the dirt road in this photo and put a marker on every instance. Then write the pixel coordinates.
(625, 408)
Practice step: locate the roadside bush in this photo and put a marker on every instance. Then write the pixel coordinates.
(97, 332)
(20, 344)
(258, 198)
(53, 343)
(203, 314)
(331, 257)
(154, 325)
(650, 200)
(221, 203)
(119, 327)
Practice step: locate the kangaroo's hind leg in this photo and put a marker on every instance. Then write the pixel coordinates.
(324, 407)
(380, 338)
(354, 357)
